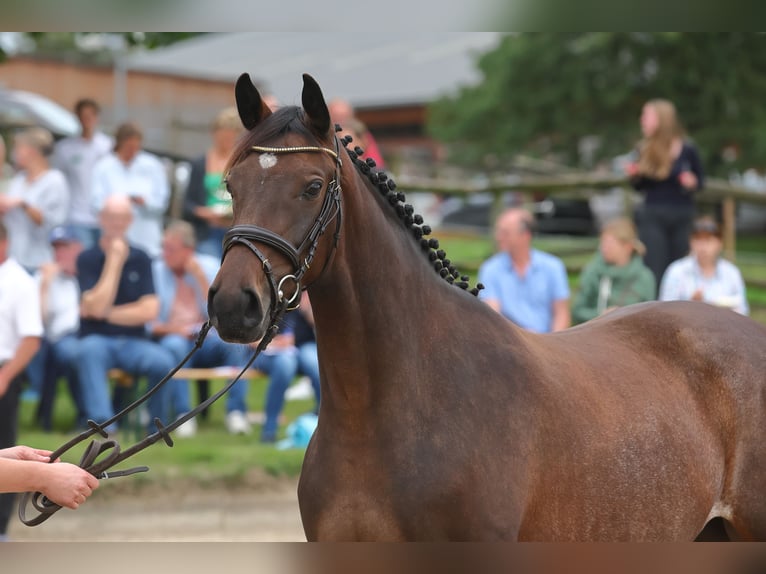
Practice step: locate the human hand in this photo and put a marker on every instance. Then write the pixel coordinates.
(631, 169)
(118, 249)
(21, 452)
(48, 271)
(68, 485)
(138, 200)
(688, 179)
(697, 295)
(7, 203)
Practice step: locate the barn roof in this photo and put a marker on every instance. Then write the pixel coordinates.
(368, 69)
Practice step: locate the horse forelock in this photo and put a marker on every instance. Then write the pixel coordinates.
(285, 120)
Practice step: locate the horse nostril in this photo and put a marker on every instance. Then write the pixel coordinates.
(252, 304)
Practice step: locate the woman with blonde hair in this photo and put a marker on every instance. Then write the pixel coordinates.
(616, 276)
(207, 205)
(668, 171)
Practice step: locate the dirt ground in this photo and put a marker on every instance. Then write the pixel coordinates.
(263, 512)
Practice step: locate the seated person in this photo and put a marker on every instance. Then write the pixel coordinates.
(616, 276)
(117, 301)
(182, 278)
(290, 353)
(704, 275)
(526, 285)
(60, 306)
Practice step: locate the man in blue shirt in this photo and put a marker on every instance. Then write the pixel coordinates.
(117, 301)
(527, 286)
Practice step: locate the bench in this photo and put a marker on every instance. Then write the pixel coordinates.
(201, 376)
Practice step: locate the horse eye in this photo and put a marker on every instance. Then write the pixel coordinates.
(314, 188)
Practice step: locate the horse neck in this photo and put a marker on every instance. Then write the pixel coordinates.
(371, 304)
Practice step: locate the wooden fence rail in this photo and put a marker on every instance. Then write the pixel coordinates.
(716, 191)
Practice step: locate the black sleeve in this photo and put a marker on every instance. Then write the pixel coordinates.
(695, 163)
(195, 192)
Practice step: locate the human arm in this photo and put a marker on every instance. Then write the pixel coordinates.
(152, 191)
(65, 484)
(134, 314)
(692, 177)
(561, 316)
(96, 301)
(492, 289)
(46, 275)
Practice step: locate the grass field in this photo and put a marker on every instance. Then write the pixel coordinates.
(214, 457)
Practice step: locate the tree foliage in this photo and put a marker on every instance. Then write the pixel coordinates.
(543, 93)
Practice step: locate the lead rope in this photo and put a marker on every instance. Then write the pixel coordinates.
(99, 466)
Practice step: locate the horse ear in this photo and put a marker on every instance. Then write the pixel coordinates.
(315, 106)
(251, 107)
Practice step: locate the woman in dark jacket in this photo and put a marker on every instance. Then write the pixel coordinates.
(668, 172)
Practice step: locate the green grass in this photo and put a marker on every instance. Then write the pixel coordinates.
(212, 456)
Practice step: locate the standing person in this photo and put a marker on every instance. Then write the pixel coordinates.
(76, 156)
(182, 278)
(20, 331)
(207, 204)
(616, 276)
(704, 275)
(140, 176)
(668, 172)
(118, 300)
(526, 285)
(37, 199)
(342, 113)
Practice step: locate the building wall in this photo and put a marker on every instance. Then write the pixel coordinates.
(174, 112)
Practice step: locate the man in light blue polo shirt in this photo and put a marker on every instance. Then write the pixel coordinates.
(527, 286)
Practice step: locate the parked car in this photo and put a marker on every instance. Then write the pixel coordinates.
(19, 109)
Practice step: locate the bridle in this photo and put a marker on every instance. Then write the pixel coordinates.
(94, 459)
(248, 235)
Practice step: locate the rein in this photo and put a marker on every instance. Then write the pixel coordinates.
(94, 459)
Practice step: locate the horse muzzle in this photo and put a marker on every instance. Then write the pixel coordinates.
(237, 312)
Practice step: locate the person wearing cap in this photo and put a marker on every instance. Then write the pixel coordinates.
(616, 276)
(20, 331)
(37, 199)
(76, 156)
(704, 275)
(60, 310)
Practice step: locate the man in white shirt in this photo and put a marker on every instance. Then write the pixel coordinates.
(139, 175)
(704, 275)
(76, 156)
(20, 331)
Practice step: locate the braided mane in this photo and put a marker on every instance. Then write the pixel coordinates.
(290, 119)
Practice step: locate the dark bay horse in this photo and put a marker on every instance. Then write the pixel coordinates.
(439, 418)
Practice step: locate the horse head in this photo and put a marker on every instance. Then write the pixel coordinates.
(284, 183)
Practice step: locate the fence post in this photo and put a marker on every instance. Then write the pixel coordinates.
(729, 228)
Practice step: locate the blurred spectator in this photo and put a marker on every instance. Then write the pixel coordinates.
(76, 156)
(704, 275)
(616, 276)
(526, 285)
(207, 204)
(37, 199)
(6, 171)
(118, 300)
(306, 343)
(20, 331)
(140, 176)
(667, 171)
(60, 308)
(341, 112)
(182, 278)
